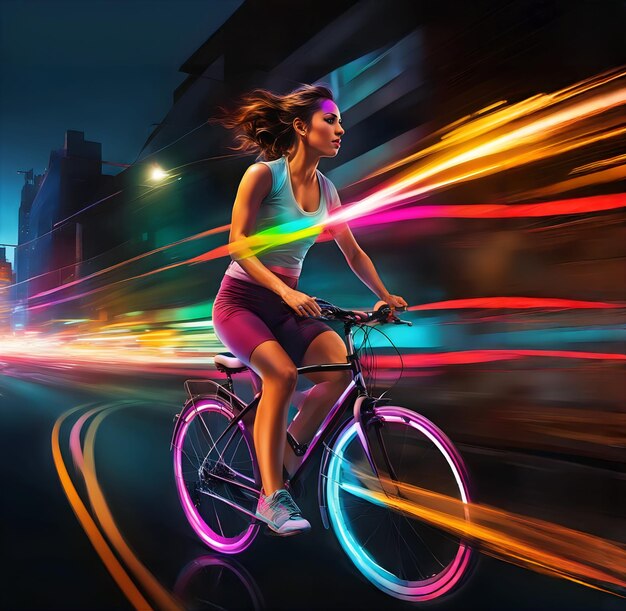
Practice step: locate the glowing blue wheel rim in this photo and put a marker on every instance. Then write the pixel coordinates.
(378, 575)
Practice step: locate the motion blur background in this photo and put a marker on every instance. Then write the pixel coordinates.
(506, 236)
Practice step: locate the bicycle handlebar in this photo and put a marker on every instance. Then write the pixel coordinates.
(384, 314)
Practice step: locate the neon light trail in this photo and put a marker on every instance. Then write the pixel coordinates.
(107, 537)
(528, 542)
(599, 203)
(90, 527)
(516, 303)
(584, 205)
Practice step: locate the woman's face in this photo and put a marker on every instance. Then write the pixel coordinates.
(324, 132)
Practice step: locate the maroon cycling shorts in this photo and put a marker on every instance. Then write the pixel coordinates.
(246, 315)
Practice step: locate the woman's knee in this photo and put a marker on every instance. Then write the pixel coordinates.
(274, 366)
(285, 377)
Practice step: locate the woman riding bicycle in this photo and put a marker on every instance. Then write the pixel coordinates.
(291, 132)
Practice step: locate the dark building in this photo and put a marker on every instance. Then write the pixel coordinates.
(32, 182)
(50, 249)
(7, 278)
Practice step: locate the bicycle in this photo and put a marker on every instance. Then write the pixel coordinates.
(218, 480)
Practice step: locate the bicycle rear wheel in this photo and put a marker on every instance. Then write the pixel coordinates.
(396, 547)
(213, 478)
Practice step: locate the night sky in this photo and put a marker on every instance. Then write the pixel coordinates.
(105, 67)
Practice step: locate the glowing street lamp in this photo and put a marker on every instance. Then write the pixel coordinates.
(158, 174)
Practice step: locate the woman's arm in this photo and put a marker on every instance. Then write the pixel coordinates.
(362, 265)
(253, 188)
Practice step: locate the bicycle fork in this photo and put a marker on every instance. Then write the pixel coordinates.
(368, 429)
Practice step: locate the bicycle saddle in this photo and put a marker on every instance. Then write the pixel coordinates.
(229, 364)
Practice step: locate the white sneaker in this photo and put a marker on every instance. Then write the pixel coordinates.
(281, 514)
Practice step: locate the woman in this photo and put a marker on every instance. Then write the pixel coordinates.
(292, 132)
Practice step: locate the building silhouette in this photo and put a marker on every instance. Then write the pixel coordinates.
(49, 251)
(7, 278)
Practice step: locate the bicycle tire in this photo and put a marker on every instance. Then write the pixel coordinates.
(427, 562)
(204, 473)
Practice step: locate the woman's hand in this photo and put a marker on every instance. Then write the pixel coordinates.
(301, 303)
(394, 301)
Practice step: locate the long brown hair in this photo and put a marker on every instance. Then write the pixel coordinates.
(264, 120)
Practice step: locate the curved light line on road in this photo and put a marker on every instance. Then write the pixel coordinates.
(89, 526)
(159, 594)
(75, 447)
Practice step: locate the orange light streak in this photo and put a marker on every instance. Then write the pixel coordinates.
(162, 598)
(599, 164)
(602, 176)
(528, 542)
(89, 526)
(470, 129)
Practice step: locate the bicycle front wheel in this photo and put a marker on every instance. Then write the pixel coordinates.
(382, 530)
(217, 481)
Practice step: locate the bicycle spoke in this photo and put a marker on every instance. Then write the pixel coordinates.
(186, 455)
(217, 517)
(408, 547)
(208, 432)
(423, 542)
(372, 534)
(193, 447)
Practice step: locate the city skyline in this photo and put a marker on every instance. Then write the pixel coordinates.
(70, 77)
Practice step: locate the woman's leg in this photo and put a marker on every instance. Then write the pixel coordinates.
(279, 376)
(327, 347)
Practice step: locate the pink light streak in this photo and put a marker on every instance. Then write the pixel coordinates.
(573, 206)
(516, 303)
(439, 359)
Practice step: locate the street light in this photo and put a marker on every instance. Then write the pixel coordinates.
(158, 174)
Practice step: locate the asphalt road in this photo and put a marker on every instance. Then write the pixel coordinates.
(50, 563)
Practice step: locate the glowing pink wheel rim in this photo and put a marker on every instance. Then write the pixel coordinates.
(422, 590)
(226, 545)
